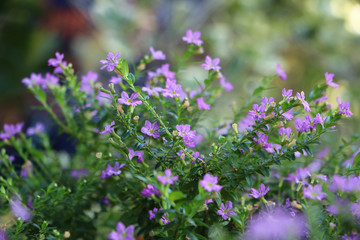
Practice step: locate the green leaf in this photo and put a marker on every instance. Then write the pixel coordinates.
(176, 195)
(131, 78)
(249, 180)
(308, 151)
(356, 163)
(257, 91)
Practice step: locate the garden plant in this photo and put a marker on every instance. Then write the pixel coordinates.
(145, 166)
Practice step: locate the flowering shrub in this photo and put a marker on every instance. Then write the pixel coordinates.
(142, 169)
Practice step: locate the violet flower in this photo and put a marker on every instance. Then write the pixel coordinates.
(301, 98)
(111, 61)
(314, 192)
(278, 224)
(226, 85)
(37, 129)
(285, 131)
(209, 183)
(211, 64)
(109, 128)
(192, 37)
(139, 154)
(258, 194)
(150, 129)
(20, 210)
(152, 91)
(225, 211)
(172, 89)
(125, 99)
(329, 80)
(149, 190)
(11, 130)
(287, 94)
(344, 108)
(35, 79)
(111, 171)
(258, 112)
(152, 213)
(168, 178)
(57, 62)
(122, 233)
(87, 82)
(76, 173)
(281, 73)
(183, 130)
(202, 104)
(115, 79)
(157, 55)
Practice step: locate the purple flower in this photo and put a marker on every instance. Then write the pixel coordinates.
(329, 80)
(57, 62)
(226, 85)
(152, 91)
(157, 55)
(209, 183)
(152, 213)
(314, 192)
(225, 211)
(167, 179)
(172, 89)
(20, 210)
(149, 190)
(125, 99)
(109, 128)
(344, 108)
(76, 173)
(323, 98)
(115, 79)
(50, 81)
(280, 72)
(26, 169)
(277, 224)
(183, 130)
(37, 129)
(122, 233)
(3, 235)
(111, 61)
(262, 139)
(258, 194)
(211, 64)
(11, 130)
(35, 79)
(301, 125)
(187, 135)
(139, 154)
(268, 102)
(110, 171)
(287, 94)
(344, 184)
(289, 115)
(258, 112)
(301, 98)
(285, 131)
(87, 82)
(192, 37)
(150, 129)
(202, 104)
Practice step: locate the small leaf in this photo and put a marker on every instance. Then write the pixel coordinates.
(176, 195)
(308, 151)
(356, 163)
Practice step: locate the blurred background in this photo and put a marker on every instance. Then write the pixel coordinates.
(308, 38)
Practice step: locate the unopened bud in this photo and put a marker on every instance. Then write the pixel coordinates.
(269, 116)
(279, 125)
(200, 50)
(141, 66)
(249, 207)
(186, 104)
(189, 109)
(175, 133)
(99, 155)
(332, 225)
(67, 234)
(292, 143)
(136, 118)
(119, 108)
(235, 128)
(112, 89)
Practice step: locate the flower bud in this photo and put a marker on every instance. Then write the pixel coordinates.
(189, 109)
(67, 234)
(269, 116)
(175, 133)
(279, 125)
(249, 207)
(235, 128)
(141, 66)
(136, 118)
(112, 89)
(292, 143)
(99, 155)
(186, 104)
(332, 225)
(119, 108)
